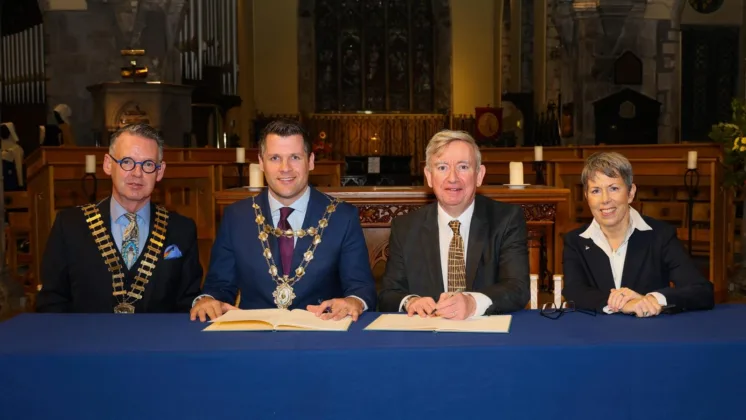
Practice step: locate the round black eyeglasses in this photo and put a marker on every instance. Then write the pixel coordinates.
(128, 164)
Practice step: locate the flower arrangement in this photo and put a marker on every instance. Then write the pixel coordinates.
(321, 148)
(732, 136)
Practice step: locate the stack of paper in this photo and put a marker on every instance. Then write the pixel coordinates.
(479, 324)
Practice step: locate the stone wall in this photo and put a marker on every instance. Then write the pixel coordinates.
(83, 49)
(586, 41)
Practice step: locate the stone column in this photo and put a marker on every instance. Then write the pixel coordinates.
(516, 27)
(587, 30)
(540, 54)
(245, 14)
(498, 53)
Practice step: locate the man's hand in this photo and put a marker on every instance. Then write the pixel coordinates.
(424, 306)
(337, 309)
(456, 306)
(209, 307)
(619, 297)
(643, 307)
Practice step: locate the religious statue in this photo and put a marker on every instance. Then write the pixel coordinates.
(62, 114)
(12, 158)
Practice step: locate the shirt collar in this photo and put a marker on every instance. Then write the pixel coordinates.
(465, 218)
(635, 222)
(118, 211)
(300, 205)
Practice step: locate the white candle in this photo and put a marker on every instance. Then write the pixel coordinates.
(240, 155)
(557, 289)
(516, 173)
(692, 160)
(538, 153)
(534, 291)
(256, 176)
(225, 140)
(90, 164)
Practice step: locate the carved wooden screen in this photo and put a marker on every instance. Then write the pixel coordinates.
(709, 75)
(374, 55)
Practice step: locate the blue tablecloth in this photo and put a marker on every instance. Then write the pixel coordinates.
(684, 366)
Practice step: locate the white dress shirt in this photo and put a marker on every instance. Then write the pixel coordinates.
(445, 234)
(616, 258)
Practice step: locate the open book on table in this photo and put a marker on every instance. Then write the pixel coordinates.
(478, 324)
(275, 320)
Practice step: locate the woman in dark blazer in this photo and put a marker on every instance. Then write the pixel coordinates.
(625, 262)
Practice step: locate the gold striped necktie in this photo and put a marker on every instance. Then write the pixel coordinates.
(456, 264)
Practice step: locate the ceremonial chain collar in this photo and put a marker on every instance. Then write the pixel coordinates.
(109, 252)
(283, 293)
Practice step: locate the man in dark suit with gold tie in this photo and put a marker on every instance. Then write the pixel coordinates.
(124, 254)
(465, 255)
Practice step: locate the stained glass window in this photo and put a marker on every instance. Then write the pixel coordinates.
(375, 55)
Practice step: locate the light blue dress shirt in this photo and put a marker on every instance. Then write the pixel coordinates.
(296, 218)
(119, 223)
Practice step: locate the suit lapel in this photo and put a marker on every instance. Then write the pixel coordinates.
(263, 200)
(599, 264)
(478, 233)
(104, 208)
(636, 250)
(317, 203)
(149, 287)
(429, 239)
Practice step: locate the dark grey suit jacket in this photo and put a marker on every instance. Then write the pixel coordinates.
(75, 277)
(497, 257)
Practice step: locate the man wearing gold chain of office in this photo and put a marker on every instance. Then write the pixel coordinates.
(291, 246)
(124, 254)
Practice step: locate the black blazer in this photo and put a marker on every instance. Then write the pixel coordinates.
(654, 259)
(75, 278)
(497, 257)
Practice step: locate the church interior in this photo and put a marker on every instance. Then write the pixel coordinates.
(540, 84)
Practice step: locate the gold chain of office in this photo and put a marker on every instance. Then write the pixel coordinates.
(127, 299)
(284, 294)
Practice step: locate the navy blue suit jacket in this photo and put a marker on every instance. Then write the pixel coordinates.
(339, 268)
(655, 258)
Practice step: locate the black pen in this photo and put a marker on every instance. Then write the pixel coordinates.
(328, 308)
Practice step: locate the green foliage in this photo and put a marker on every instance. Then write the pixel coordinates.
(731, 136)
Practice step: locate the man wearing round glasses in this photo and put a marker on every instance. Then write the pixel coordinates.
(124, 254)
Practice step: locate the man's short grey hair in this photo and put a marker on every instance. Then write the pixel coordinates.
(443, 138)
(140, 130)
(611, 164)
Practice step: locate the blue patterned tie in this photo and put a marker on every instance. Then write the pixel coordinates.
(130, 240)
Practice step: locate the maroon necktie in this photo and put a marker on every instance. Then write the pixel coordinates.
(286, 244)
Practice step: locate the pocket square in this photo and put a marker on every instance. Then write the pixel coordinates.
(172, 251)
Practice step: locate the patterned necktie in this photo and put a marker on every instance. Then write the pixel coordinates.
(130, 240)
(286, 244)
(456, 264)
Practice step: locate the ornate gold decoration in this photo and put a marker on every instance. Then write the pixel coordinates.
(284, 294)
(110, 255)
(539, 212)
(374, 214)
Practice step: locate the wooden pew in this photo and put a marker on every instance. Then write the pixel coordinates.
(546, 210)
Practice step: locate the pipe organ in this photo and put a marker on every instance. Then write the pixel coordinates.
(208, 39)
(22, 72)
